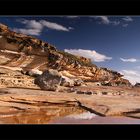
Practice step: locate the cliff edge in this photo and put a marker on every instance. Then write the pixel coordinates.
(31, 54)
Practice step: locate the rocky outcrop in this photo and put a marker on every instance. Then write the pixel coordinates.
(11, 78)
(117, 82)
(137, 85)
(52, 79)
(34, 56)
(49, 80)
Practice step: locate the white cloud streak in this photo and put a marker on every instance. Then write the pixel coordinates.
(125, 25)
(127, 19)
(33, 27)
(104, 19)
(129, 60)
(32, 24)
(92, 54)
(52, 25)
(131, 75)
(28, 31)
(72, 17)
(115, 22)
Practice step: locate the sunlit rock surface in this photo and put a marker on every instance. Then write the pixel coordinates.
(85, 87)
(31, 54)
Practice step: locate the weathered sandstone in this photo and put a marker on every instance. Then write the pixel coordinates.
(35, 56)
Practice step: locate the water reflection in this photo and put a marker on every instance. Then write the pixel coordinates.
(83, 116)
(44, 116)
(90, 118)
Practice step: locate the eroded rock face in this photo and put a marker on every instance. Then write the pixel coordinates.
(30, 53)
(10, 78)
(117, 82)
(137, 85)
(33, 72)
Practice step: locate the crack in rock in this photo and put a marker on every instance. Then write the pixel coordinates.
(91, 110)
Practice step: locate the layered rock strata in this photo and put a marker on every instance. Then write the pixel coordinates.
(31, 54)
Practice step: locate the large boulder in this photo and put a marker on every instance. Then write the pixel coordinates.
(52, 80)
(49, 80)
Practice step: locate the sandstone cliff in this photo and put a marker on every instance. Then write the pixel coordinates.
(29, 53)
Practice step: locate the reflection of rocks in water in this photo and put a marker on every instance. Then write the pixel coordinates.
(39, 117)
(85, 115)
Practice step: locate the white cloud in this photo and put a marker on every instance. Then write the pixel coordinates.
(129, 60)
(130, 72)
(127, 18)
(131, 75)
(32, 24)
(27, 31)
(70, 28)
(33, 27)
(125, 25)
(92, 54)
(115, 22)
(72, 16)
(137, 67)
(104, 19)
(53, 25)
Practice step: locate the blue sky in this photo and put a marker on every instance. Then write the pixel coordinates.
(110, 41)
